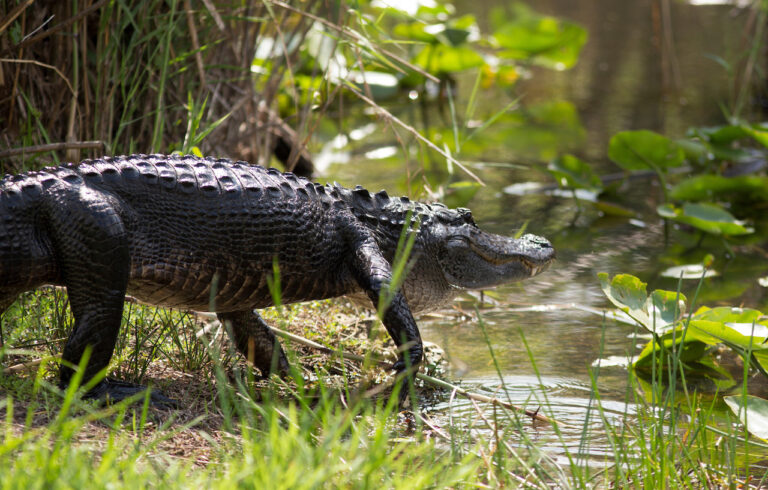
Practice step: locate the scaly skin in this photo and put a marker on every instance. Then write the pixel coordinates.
(206, 234)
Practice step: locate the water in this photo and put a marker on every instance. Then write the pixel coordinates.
(629, 77)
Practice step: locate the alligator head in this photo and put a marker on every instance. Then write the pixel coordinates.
(471, 258)
(451, 253)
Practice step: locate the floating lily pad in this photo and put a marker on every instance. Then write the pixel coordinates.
(573, 172)
(706, 217)
(711, 187)
(759, 135)
(752, 411)
(641, 150)
(544, 40)
(657, 312)
(687, 349)
(439, 58)
(689, 271)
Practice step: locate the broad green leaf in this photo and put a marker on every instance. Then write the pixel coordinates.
(689, 350)
(414, 31)
(712, 187)
(706, 217)
(545, 41)
(727, 314)
(721, 135)
(713, 332)
(573, 172)
(664, 308)
(761, 356)
(628, 293)
(439, 58)
(641, 150)
(656, 312)
(758, 135)
(752, 411)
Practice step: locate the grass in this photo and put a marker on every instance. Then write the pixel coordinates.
(321, 430)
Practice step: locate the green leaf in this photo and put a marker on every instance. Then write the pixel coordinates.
(641, 150)
(657, 312)
(758, 135)
(628, 293)
(575, 173)
(706, 217)
(439, 58)
(688, 350)
(544, 40)
(752, 411)
(722, 135)
(414, 31)
(712, 187)
(665, 308)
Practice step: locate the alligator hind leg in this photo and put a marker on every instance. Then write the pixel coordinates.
(92, 248)
(253, 338)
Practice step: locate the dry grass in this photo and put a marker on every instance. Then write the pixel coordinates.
(81, 79)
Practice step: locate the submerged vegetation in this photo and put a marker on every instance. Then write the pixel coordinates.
(81, 79)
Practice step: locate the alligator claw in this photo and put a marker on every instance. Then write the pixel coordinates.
(399, 366)
(113, 390)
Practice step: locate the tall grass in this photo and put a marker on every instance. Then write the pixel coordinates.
(90, 78)
(317, 433)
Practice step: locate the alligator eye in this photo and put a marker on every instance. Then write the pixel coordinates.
(465, 215)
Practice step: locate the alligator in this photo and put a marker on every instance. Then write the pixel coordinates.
(210, 234)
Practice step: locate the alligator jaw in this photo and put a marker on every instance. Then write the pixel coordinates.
(481, 260)
(533, 252)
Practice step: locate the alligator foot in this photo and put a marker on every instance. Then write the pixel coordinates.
(113, 390)
(406, 377)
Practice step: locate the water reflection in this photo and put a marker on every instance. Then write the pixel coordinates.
(630, 75)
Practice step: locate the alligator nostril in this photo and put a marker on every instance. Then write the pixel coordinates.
(537, 240)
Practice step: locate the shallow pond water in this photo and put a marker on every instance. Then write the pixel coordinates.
(629, 76)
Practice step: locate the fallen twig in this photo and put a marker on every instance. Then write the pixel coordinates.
(43, 65)
(424, 377)
(26, 366)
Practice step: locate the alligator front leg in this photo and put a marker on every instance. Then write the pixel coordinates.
(92, 248)
(374, 274)
(255, 341)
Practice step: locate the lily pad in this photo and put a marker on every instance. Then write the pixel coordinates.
(628, 293)
(706, 217)
(689, 271)
(752, 411)
(657, 312)
(439, 58)
(641, 150)
(759, 135)
(544, 40)
(711, 187)
(687, 350)
(573, 172)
